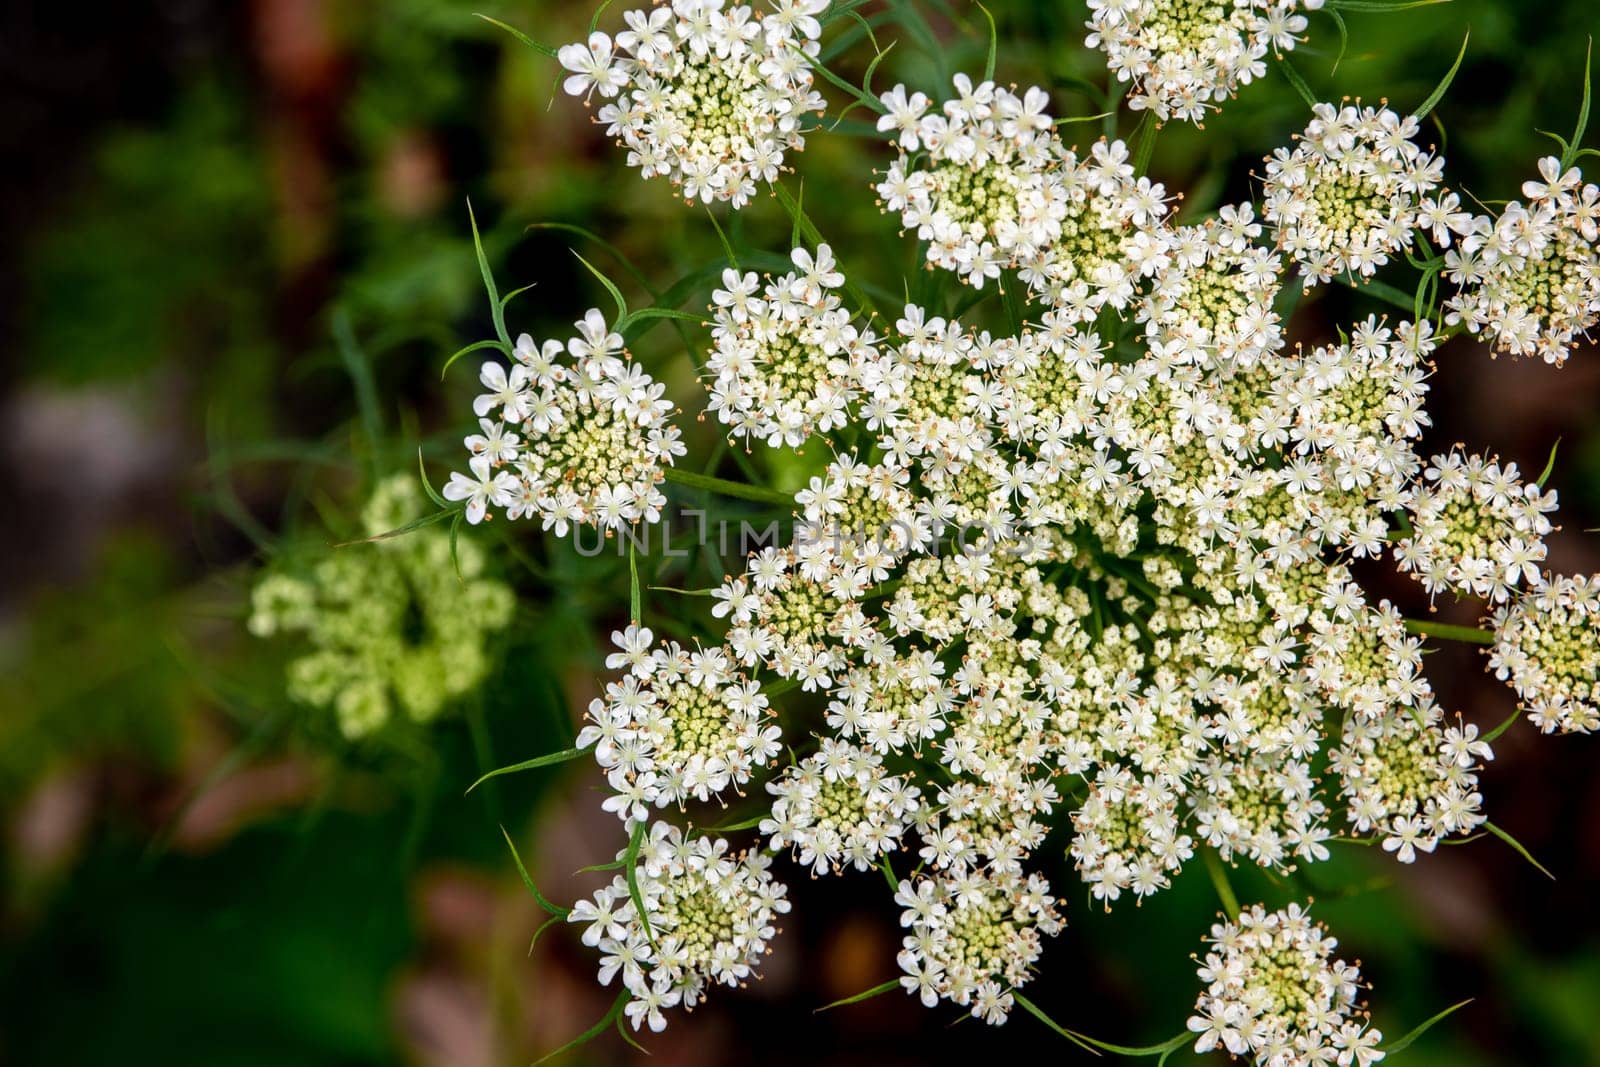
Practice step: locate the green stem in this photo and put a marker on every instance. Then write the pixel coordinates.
(722, 486)
(1219, 879)
(1470, 634)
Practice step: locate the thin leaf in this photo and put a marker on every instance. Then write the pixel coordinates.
(1382, 290)
(629, 1038)
(543, 50)
(1382, 5)
(994, 44)
(554, 909)
(455, 537)
(727, 248)
(1034, 1010)
(1509, 721)
(427, 486)
(647, 314)
(547, 924)
(1405, 1042)
(1549, 466)
(611, 287)
(1297, 81)
(594, 21)
(1521, 851)
(513, 294)
(636, 602)
(564, 756)
(724, 487)
(876, 991)
(476, 346)
(1145, 145)
(1083, 118)
(400, 531)
(1570, 156)
(1469, 634)
(1450, 76)
(1344, 39)
(631, 861)
(496, 309)
(1219, 880)
(735, 827)
(861, 96)
(593, 1032)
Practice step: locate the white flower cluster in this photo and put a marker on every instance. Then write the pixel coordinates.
(573, 434)
(1530, 279)
(710, 98)
(988, 184)
(679, 725)
(1183, 57)
(1547, 643)
(1274, 993)
(1477, 529)
(707, 917)
(974, 937)
(1097, 574)
(1353, 191)
(786, 361)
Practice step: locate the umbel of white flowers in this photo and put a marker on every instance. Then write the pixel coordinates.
(1159, 641)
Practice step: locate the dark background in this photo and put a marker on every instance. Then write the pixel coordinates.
(196, 871)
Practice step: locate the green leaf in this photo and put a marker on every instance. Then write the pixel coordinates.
(594, 21)
(554, 909)
(1083, 118)
(735, 827)
(1450, 75)
(1382, 290)
(1344, 39)
(647, 314)
(1219, 880)
(1144, 143)
(994, 44)
(400, 531)
(727, 249)
(427, 486)
(804, 227)
(631, 861)
(1549, 466)
(1297, 81)
(543, 50)
(1405, 1042)
(1521, 851)
(1506, 724)
(1382, 5)
(564, 756)
(1468, 634)
(1038, 1013)
(476, 346)
(888, 873)
(513, 294)
(547, 924)
(1570, 156)
(622, 1029)
(862, 97)
(496, 309)
(593, 1032)
(722, 486)
(636, 603)
(876, 991)
(455, 536)
(611, 287)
